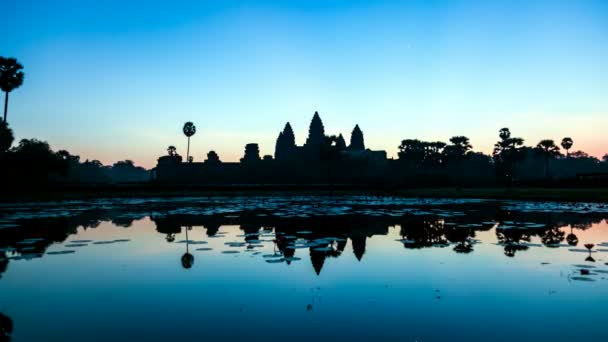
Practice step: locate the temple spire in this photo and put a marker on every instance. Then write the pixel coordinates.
(316, 131)
(356, 140)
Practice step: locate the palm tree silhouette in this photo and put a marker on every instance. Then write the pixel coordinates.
(548, 150)
(567, 145)
(11, 77)
(189, 130)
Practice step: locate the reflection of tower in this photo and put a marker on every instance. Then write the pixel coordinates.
(358, 242)
(283, 246)
(341, 245)
(212, 228)
(317, 258)
(251, 232)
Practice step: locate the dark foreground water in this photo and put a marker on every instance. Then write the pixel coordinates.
(303, 268)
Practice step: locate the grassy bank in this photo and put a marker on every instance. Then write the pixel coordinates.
(150, 190)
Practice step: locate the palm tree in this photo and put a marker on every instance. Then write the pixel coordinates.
(549, 150)
(189, 130)
(567, 145)
(11, 77)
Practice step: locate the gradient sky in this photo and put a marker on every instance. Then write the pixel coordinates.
(112, 80)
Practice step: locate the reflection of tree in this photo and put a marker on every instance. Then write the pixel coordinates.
(512, 238)
(422, 232)
(169, 226)
(124, 222)
(6, 327)
(462, 237)
(187, 258)
(552, 237)
(571, 238)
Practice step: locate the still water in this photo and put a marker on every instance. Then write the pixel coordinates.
(303, 268)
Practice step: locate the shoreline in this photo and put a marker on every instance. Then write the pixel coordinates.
(84, 192)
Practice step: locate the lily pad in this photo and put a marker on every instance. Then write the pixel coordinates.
(231, 252)
(275, 261)
(67, 251)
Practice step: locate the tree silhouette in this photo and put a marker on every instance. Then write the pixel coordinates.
(171, 151)
(11, 77)
(548, 150)
(412, 151)
(458, 149)
(189, 130)
(567, 145)
(212, 158)
(507, 151)
(6, 136)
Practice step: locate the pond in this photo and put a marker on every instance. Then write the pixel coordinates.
(303, 268)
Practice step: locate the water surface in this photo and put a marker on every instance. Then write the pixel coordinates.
(302, 268)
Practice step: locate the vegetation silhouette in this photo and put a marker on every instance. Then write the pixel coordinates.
(548, 150)
(567, 145)
(189, 130)
(6, 137)
(324, 159)
(6, 328)
(11, 78)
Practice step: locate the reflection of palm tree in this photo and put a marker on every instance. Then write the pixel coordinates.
(552, 237)
(187, 259)
(571, 238)
(189, 130)
(511, 239)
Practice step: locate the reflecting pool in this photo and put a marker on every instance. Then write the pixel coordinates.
(303, 268)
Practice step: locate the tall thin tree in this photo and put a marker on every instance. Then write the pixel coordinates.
(189, 130)
(567, 143)
(11, 77)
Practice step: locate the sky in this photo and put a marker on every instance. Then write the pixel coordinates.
(114, 80)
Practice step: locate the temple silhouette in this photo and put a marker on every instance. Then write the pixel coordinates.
(291, 164)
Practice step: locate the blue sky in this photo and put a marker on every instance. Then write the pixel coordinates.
(112, 80)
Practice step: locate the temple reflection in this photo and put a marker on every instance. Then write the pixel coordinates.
(322, 236)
